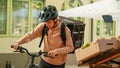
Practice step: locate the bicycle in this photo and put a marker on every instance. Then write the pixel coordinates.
(32, 65)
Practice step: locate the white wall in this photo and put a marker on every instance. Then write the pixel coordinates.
(87, 32)
(57, 3)
(5, 44)
(117, 32)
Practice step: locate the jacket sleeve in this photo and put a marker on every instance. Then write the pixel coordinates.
(37, 32)
(69, 44)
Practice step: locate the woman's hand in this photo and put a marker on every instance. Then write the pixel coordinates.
(15, 46)
(53, 53)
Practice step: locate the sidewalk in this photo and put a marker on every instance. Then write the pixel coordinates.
(74, 66)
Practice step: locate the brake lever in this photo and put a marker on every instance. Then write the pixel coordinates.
(20, 49)
(46, 55)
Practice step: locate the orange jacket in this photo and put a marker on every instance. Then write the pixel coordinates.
(51, 41)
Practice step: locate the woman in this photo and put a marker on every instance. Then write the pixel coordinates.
(53, 43)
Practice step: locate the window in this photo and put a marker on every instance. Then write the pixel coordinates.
(36, 7)
(3, 17)
(19, 17)
(108, 29)
(104, 29)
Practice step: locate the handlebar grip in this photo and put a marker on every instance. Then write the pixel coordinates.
(11, 46)
(20, 49)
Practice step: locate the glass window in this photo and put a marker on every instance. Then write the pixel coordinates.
(19, 17)
(108, 29)
(104, 29)
(36, 7)
(3, 17)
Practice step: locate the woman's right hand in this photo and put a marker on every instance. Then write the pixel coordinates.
(15, 46)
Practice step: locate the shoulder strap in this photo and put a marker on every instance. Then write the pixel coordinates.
(63, 33)
(44, 31)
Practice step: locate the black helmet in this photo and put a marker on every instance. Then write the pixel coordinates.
(49, 12)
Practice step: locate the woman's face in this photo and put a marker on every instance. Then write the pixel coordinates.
(50, 23)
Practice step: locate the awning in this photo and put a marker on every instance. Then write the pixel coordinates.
(94, 10)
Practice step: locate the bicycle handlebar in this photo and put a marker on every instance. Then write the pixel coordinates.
(23, 50)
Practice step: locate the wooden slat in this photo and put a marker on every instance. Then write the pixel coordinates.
(109, 58)
(103, 57)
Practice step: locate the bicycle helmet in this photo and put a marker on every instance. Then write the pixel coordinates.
(49, 12)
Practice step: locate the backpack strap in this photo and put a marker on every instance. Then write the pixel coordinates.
(44, 31)
(63, 33)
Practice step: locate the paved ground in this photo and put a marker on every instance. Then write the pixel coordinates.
(73, 66)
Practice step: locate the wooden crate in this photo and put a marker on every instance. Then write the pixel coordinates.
(95, 48)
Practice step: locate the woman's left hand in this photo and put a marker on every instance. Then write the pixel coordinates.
(53, 53)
